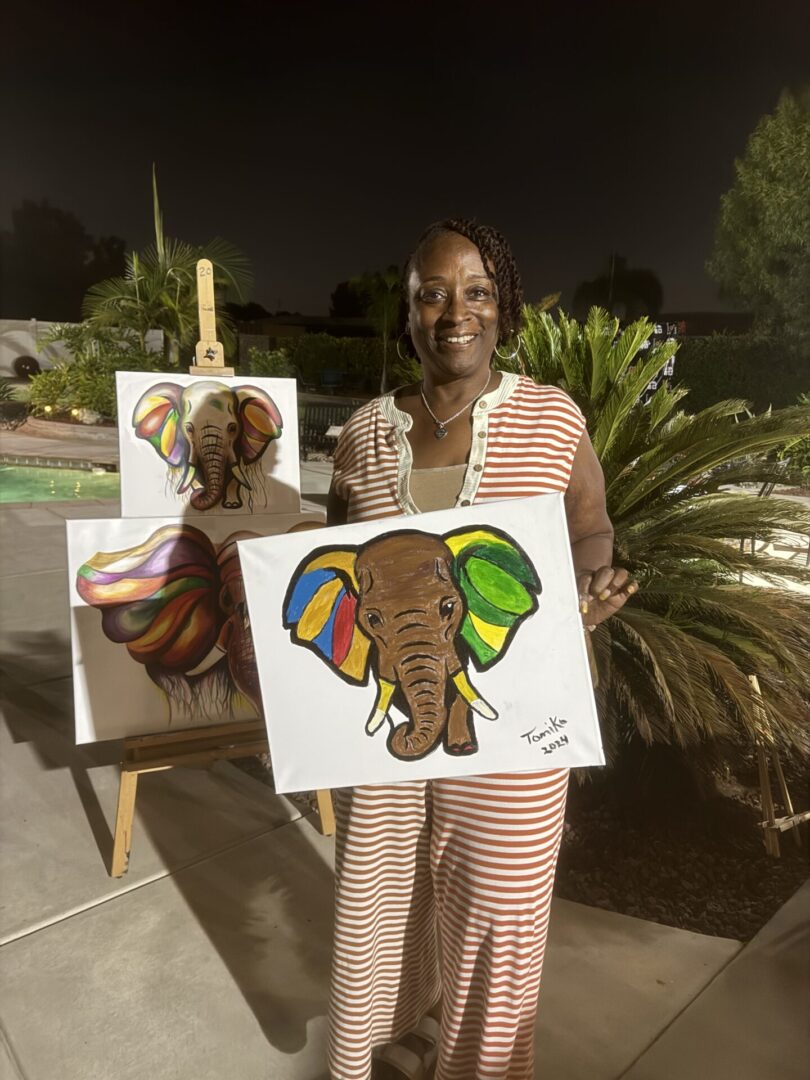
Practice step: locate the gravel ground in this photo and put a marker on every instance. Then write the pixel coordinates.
(701, 867)
(696, 864)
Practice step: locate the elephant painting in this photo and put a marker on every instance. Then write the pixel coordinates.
(416, 608)
(211, 436)
(178, 604)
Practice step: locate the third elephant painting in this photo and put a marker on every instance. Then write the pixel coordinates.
(447, 644)
(191, 445)
(160, 631)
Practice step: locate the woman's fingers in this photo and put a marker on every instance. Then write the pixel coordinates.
(608, 580)
(584, 590)
(603, 593)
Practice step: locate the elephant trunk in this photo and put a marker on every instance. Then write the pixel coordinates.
(242, 662)
(211, 454)
(422, 680)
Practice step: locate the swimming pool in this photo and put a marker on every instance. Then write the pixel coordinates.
(25, 483)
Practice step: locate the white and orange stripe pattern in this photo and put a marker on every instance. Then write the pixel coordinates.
(443, 887)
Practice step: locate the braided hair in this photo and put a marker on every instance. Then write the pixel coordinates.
(499, 264)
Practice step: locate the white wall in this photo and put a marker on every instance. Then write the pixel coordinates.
(18, 337)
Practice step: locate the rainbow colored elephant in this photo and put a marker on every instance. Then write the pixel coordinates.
(211, 436)
(178, 604)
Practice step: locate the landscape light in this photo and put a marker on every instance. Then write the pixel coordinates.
(48, 408)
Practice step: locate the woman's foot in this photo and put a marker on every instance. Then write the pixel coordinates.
(413, 1057)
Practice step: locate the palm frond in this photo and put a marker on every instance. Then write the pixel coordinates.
(674, 662)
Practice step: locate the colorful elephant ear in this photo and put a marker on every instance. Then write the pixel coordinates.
(260, 422)
(319, 610)
(500, 586)
(160, 599)
(156, 418)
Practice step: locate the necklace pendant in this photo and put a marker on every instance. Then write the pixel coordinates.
(440, 432)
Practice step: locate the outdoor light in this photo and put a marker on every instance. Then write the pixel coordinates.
(74, 412)
(48, 408)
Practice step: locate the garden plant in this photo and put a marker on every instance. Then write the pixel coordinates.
(159, 291)
(674, 662)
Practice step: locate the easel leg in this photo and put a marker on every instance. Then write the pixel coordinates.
(122, 841)
(787, 802)
(771, 837)
(326, 811)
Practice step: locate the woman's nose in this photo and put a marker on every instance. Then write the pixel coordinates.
(456, 308)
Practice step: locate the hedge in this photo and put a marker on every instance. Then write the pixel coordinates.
(765, 371)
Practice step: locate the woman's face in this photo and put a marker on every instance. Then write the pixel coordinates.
(453, 308)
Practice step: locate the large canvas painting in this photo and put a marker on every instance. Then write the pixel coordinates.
(443, 645)
(197, 446)
(160, 629)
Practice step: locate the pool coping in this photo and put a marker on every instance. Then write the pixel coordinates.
(42, 462)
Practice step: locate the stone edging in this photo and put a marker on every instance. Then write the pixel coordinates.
(56, 429)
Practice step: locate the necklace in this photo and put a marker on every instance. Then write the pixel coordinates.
(441, 425)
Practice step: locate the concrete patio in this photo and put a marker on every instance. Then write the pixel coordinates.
(210, 957)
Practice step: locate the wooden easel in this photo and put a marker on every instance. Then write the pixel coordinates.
(772, 825)
(194, 747)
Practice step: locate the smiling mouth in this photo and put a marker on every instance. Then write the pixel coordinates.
(457, 339)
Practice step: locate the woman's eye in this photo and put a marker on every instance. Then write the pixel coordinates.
(479, 293)
(431, 296)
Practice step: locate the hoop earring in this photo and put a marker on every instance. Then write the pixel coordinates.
(404, 359)
(512, 355)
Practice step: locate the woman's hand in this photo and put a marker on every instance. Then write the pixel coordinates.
(602, 593)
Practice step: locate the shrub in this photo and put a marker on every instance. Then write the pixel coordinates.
(796, 454)
(270, 363)
(321, 359)
(767, 371)
(88, 380)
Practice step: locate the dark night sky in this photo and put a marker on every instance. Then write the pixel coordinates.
(321, 139)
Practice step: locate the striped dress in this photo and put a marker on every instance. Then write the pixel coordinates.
(443, 887)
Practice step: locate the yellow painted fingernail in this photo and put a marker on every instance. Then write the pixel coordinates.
(583, 607)
(604, 594)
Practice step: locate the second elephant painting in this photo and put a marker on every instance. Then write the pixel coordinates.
(445, 645)
(196, 446)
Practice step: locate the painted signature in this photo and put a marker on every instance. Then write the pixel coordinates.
(554, 727)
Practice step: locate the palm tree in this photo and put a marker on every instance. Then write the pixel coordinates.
(381, 292)
(674, 663)
(159, 290)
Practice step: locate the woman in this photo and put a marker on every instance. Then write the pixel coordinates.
(443, 887)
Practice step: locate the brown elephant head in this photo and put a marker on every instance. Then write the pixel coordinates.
(416, 607)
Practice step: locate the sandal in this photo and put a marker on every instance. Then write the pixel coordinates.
(401, 1062)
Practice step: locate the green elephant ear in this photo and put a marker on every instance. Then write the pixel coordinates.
(500, 586)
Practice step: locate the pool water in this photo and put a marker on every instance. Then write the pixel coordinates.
(24, 483)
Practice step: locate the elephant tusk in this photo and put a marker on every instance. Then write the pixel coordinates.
(385, 691)
(214, 657)
(472, 697)
(238, 473)
(188, 478)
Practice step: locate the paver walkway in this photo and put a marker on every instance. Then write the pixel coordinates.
(210, 958)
